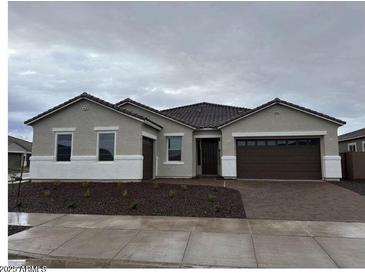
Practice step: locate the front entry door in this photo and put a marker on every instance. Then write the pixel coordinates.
(147, 151)
(209, 156)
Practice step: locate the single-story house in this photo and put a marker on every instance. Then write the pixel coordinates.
(86, 138)
(352, 141)
(17, 150)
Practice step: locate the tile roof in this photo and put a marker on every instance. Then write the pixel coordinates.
(205, 115)
(23, 143)
(352, 135)
(279, 101)
(94, 99)
(129, 100)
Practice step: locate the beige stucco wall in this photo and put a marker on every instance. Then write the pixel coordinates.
(128, 140)
(188, 169)
(281, 118)
(343, 145)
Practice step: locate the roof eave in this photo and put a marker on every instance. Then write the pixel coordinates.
(351, 138)
(155, 112)
(280, 102)
(73, 101)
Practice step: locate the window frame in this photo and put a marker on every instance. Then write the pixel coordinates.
(97, 144)
(351, 144)
(56, 145)
(167, 150)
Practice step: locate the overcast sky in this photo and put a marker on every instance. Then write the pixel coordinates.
(170, 54)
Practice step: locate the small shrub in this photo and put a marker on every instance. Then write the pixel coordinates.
(87, 194)
(172, 193)
(46, 193)
(217, 207)
(215, 189)
(184, 187)
(125, 193)
(57, 182)
(211, 197)
(85, 184)
(156, 185)
(133, 205)
(71, 205)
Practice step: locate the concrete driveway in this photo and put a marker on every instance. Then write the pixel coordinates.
(286, 200)
(144, 241)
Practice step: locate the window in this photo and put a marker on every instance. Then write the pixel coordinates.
(241, 143)
(106, 146)
(64, 145)
(277, 142)
(174, 148)
(251, 143)
(261, 143)
(281, 142)
(271, 142)
(352, 147)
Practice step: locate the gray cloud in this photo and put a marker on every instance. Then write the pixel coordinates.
(168, 54)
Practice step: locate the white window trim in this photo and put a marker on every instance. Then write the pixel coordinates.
(167, 162)
(55, 147)
(173, 163)
(278, 133)
(97, 145)
(173, 134)
(351, 144)
(363, 146)
(63, 129)
(106, 128)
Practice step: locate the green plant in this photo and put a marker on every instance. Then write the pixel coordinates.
(184, 187)
(120, 184)
(217, 207)
(156, 185)
(125, 193)
(211, 197)
(133, 205)
(71, 205)
(87, 194)
(57, 182)
(172, 193)
(85, 184)
(215, 189)
(46, 193)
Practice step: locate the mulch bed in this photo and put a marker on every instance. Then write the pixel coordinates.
(12, 229)
(357, 186)
(128, 199)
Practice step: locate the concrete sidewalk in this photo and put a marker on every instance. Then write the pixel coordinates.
(60, 240)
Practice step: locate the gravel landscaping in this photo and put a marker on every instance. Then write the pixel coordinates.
(357, 186)
(12, 229)
(128, 199)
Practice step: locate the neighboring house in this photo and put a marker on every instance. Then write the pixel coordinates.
(352, 141)
(87, 138)
(18, 148)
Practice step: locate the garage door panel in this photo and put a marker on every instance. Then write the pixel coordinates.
(279, 162)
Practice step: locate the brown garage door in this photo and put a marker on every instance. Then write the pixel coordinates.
(278, 159)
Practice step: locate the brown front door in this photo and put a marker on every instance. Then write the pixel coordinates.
(209, 156)
(147, 158)
(278, 159)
